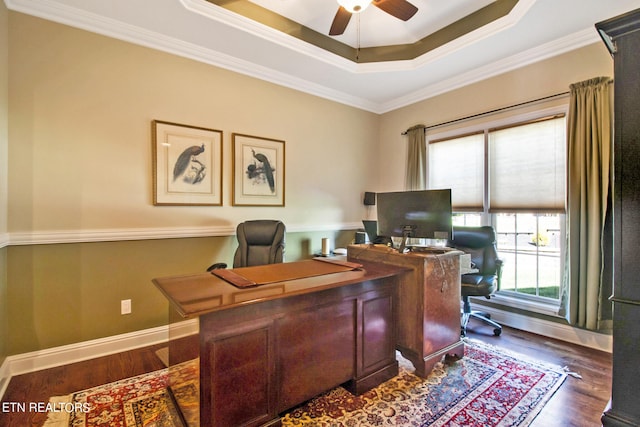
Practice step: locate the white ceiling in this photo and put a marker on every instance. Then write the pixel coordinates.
(533, 31)
(376, 28)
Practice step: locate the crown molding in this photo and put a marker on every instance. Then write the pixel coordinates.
(54, 11)
(224, 15)
(227, 17)
(77, 18)
(528, 57)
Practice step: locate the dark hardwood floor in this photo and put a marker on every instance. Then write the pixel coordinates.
(578, 402)
(41, 385)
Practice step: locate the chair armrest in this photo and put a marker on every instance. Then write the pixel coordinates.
(499, 263)
(217, 266)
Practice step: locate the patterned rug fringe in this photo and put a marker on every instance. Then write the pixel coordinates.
(542, 365)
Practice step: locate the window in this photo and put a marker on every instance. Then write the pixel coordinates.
(511, 176)
(531, 247)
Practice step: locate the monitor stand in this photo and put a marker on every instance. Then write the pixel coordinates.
(407, 232)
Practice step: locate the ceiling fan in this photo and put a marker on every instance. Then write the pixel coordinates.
(401, 9)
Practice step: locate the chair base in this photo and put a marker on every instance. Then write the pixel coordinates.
(497, 328)
(467, 313)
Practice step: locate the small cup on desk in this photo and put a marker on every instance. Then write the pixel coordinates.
(326, 246)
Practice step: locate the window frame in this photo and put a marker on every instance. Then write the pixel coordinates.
(536, 304)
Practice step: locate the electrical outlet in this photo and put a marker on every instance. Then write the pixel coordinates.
(125, 306)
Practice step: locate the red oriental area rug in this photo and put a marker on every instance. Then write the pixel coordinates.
(488, 387)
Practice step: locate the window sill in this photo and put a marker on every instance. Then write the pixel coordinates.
(540, 307)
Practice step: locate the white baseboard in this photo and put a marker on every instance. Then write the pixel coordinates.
(5, 377)
(560, 331)
(58, 356)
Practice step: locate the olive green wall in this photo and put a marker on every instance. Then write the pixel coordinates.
(4, 307)
(68, 293)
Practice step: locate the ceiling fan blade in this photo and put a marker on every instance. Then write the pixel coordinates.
(342, 18)
(401, 9)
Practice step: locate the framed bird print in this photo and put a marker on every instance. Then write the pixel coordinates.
(258, 171)
(187, 165)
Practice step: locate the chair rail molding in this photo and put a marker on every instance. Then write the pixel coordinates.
(4, 240)
(123, 234)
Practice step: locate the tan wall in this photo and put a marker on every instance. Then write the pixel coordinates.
(81, 106)
(4, 87)
(538, 80)
(80, 155)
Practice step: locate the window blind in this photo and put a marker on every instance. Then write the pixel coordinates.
(527, 167)
(458, 164)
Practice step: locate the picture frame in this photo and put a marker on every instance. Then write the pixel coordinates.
(258, 171)
(187, 165)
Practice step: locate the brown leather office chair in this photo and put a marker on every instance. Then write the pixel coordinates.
(259, 242)
(480, 242)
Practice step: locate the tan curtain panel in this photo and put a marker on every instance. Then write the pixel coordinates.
(416, 177)
(589, 162)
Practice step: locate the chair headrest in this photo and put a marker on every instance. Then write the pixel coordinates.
(259, 232)
(473, 237)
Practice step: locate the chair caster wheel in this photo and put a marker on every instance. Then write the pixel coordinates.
(497, 332)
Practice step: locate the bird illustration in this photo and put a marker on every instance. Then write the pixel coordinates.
(266, 169)
(185, 158)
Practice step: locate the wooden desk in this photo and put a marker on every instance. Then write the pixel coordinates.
(428, 300)
(266, 349)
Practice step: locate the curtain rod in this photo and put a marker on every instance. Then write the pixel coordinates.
(497, 110)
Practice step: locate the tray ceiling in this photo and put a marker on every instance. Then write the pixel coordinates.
(379, 64)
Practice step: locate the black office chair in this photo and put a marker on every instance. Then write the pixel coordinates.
(480, 242)
(259, 242)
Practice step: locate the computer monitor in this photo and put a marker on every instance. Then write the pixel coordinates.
(371, 228)
(415, 214)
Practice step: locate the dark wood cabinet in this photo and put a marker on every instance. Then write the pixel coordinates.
(428, 300)
(622, 37)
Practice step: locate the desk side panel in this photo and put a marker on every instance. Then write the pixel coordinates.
(237, 376)
(428, 301)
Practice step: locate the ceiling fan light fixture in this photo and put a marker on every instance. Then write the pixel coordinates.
(354, 6)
